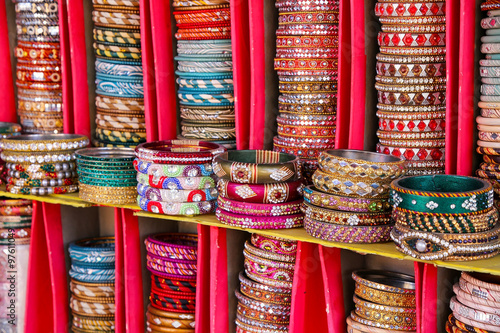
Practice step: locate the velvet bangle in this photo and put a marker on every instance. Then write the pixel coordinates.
(260, 193)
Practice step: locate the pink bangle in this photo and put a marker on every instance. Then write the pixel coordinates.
(471, 325)
(176, 263)
(171, 270)
(478, 288)
(176, 277)
(411, 39)
(410, 9)
(347, 234)
(256, 259)
(178, 151)
(265, 254)
(259, 222)
(262, 306)
(274, 244)
(475, 302)
(253, 269)
(239, 207)
(272, 193)
(474, 315)
(173, 245)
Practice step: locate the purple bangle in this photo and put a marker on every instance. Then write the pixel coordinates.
(175, 263)
(348, 234)
(255, 209)
(173, 245)
(170, 270)
(177, 277)
(259, 222)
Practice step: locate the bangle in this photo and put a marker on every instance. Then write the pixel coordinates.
(178, 208)
(447, 224)
(255, 209)
(413, 154)
(170, 323)
(411, 51)
(436, 28)
(244, 325)
(487, 291)
(404, 143)
(307, 119)
(417, 20)
(410, 80)
(469, 325)
(277, 257)
(173, 245)
(412, 99)
(355, 327)
(410, 9)
(465, 295)
(27, 182)
(208, 133)
(177, 183)
(173, 286)
(42, 190)
(16, 219)
(442, 194)
(274, 193)
(490, 23)
(169, 314)
(307, 131)
(309, 109)
(474, 314)
(91, 278)
(96, 324)
(274, 244)
(33, 173)
(16, 233)
(303, 153)
(281, 309)
(15, 211)
(264, 293)
(120, 104)
(173, 263)
(347, 234)
(93, 250)
(409, 89)
(313, 42)
(177, 196)
(92, 290)
(257, 166)
(46, 142)
(255, 259)
(259, 222)
(173, 170)
(345, 218)
(262, 316)
(384, 319)
(107, 195)
(115, 39)
(94, 269)
(405, 311)
(178, 151)
(343, 203)
(313, 143)
(166, 305)
(411, 118)
(488, 136)
(408, 136)
(400, 287)
(406, 108)
(411, 39)
(305, 64)
(346, 186)
(171, 270)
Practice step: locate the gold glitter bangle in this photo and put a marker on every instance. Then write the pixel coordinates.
(384, 297)
(44, 142)
(108, 195)
(348, 187)
(384, 318)
(346, 218)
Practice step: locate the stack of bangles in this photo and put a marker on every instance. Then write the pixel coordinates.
(15, 221)
(307, 52)
(259, 189)
(38, 69)
(92, 285)
(175, 177)
(384, 303)
(476, 304)
(41, 164)
(205, 71)
(120, 120)
(265, 295)
(445, 217)
(107, 175)
(172, 261)
(7, 130)
(349, 200)
(410, 81)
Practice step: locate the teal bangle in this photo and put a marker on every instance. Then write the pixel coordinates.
(108, 182)
(441, 194)
(104, 165)
(107, 173)
(107, 155)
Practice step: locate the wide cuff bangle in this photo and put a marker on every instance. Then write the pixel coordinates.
(346, 186)
(179, 208)
(44, 142)
(177, 183)
(274, 193)
(346, 218)
(168, 195)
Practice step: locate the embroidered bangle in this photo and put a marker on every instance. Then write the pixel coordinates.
(266, 254)
(273, 193)
(347, 234)
(413, 154)
(168, 208)
(256, 209)
(346, 218)
(173, 245)
(274, 244)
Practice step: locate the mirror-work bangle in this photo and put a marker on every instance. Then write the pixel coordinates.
(346, 186)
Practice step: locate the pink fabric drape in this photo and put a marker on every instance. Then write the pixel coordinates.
(7, 96)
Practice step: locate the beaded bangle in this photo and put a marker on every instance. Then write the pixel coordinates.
(176, 195)
(42, 190)
(345, 218)
(346, 186)
(173, 245)
(43, 143)
(15, 232)
(260, 193)
(264, 293)
(169, 208)
(238, 207)
(259, 222)
(347, 234)
(257, 260)
(244, 325)
(27, 182)
(355, 327)
(177, 183)
(107, 195)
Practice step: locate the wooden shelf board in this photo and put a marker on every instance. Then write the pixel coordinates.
(69, 199)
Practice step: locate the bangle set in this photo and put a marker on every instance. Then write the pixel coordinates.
(265, 294)
(475, 304)
(172, 298)
(39, 66)
(92, 286)
(15, 222)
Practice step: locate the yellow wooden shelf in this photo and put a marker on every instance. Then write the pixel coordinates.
(388, 250)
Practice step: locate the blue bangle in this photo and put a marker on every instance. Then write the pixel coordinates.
(206, 98)
(93, 250)
(492, 32)
(208, 89)
(132, 88)
(204, 104)
(92, 271)
(92, 278)
(104, 67)
(204, 76)
(96, 265)
(120, 78)
(493, 56)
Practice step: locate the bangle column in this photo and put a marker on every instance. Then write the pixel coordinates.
(66, 75)
(202, 316)
(7, 92)
(119, 275)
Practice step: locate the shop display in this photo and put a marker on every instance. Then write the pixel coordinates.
(259, 189)
(172, 261)
(92, 285)
(445, 217)
(307, 51)
(411, 83)
(476, 304)
(349, 200)
(15, 235)
(384, 302)
(205, 71)
(41, 164)
(175, 177)
(106, 175)
(265, 295)
(38, 69)
(119, 80)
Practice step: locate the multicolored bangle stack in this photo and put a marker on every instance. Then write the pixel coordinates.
(106, 175)
(411, 83)
(349, 200)
(259, 189)
(42, 164)
(265, 295)
(307, 52)
(38, 74)
(444, 217)
(385, 303)
(205, 71)
(92, 285)
(175, 177)
(7, 130)
(476, 304)
(15, 221)
(172, 261)
(488, 123)
(119, 81)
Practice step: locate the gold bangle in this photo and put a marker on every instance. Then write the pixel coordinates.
(345, 218)
(348, 187)
(384, 318)
(384, 297)
(170, 322)
(414, 51)
(160, 329)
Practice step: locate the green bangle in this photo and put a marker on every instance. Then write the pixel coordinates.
(108, 182)
(105, 155)
(104, 165)
(257, 166)
(441, 194)
(107, 173)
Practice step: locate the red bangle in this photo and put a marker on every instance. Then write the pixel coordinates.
(316, 123)
(178, 151)
(405, 143)
(309, 17)
(272, 193)
(259, 222)
(330, 30)
(274, 244)
(307, 131)
(332, 53)
(166, 306)
(413, 154)
(411, 70)
(411, 115)
(203, 36)
(39, 76)
(408, 39)
(410, 9)
(432, 28)
(307, 153)
(305, 64)
(39, 86)
(307, 42)
(173, 285)
(315, 143)
(264, 293)
(16, 233)
(412, 99)
(425, 125)
(262, 316)
(320, 5)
